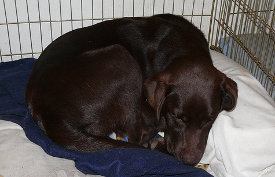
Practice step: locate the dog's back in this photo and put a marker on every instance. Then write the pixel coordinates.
(151, 41)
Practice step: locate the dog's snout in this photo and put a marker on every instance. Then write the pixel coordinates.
(187, 154)
(189, 147)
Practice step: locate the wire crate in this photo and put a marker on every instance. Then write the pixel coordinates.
(244, 31)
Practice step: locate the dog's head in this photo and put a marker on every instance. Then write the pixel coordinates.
(189, 98)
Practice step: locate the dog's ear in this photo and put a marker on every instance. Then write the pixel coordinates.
(229, 93)
(155, 89)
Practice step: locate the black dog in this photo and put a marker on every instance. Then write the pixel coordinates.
(134, 77)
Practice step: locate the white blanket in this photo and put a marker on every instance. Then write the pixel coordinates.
(241, 143)
(19, 157)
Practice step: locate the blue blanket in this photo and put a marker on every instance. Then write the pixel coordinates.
(116, 162)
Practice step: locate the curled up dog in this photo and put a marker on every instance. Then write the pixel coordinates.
(132, 76)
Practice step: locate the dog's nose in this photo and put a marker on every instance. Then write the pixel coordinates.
(189, 158)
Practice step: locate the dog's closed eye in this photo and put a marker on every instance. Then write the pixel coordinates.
(182, 120)
(181, 116)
